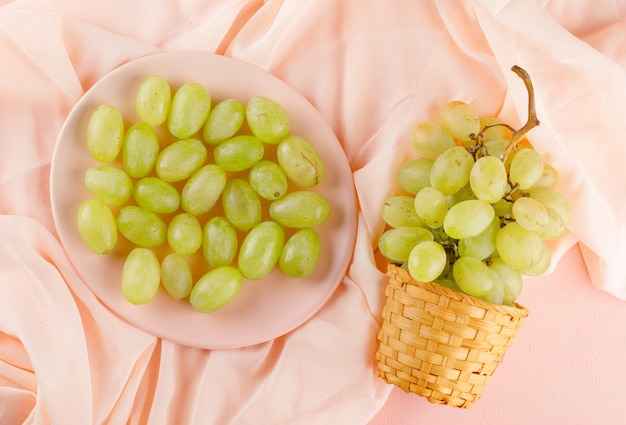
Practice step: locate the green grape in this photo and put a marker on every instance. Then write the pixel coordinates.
(241, 204)
(141, 276)
(552, 200)
(176, 276)
(495, 131)
(518, 247)
(451, 170)
(511, 279)
(396, 244)
(554, 228)
(414, 175)
(189, 110)
(184, 234)
(140, 150)
(430, 140)
(300, 209)
(427, 260)
(473, 276)
(219, 242)
(203, 189)
(496, 295)
(153, 100)
(180, 160)
(460, 120)
(464, 194)
(530, 214)
(239, 153)
(488, 179)
(225, 119)
(96, 225)
(549, 178)
(496, 147)
(503, 208)
(526, 168)
(541, 266)
(105, 133)
(141, 227)
(431, 206)
(268, 180)
(483, 244)
(267, 119)
(215, 289)
(260, 250)
(448, 283)
(300, 161)
(468, 218)
(300, 253)
(109, 184)
(156, 195)
(399, 211)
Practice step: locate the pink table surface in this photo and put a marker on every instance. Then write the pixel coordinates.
(372, 70)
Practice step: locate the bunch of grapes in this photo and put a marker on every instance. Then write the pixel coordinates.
(227, 181)
(477, 206)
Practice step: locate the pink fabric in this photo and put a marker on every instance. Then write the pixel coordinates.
(372, 70)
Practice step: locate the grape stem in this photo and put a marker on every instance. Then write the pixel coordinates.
(532, 121)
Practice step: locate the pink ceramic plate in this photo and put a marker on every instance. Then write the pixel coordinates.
(263, 309)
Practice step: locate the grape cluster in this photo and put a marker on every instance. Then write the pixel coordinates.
(477, 205)
(228, 181)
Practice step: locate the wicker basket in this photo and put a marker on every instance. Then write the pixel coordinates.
(439, 343)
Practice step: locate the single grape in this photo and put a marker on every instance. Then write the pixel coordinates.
(215, 289)
(549, 177)
(268, 180)
(483, 244)
(526, 168)
(300, 209)
(141, 276)
(239, 153)
(430, 140)
(427, 261)
(496, 295)
(176, 276)
(241, 204)
(203, 189)
(530, 214)
(96, 225)
(541, 266)
(396, 244)
(473, 276)
(105, 133)
(156, 195)
(399, 211)
(464, 194)
(414, 175)
(431, 206)
(300, 253)
(224, 121)
(503, 208)
(180, 160)
(460, 120)
(511, 279)
(488, 179)
(260, 250)
(468, 218)
(140, 150)
(554, 228)
(494, 131)
(300, 161)
(219, 242)
(141, 227)
(109, 184)
(554, 200)
(153, 100)
(448, 283)
(496, 147)
(518, 247)
(189, 110)
(451, 170)
(267, 119)
(184, 234)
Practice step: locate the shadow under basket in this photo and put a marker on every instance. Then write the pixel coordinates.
(439, 343)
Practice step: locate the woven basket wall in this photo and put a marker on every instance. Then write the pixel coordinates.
(439, 343)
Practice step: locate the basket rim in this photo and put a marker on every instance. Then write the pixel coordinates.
(516, 309)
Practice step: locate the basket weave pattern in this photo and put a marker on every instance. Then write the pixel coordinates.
(439, 343)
